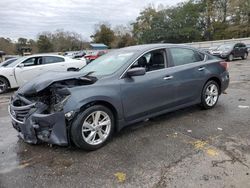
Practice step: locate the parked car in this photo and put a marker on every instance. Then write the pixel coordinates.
(119, 88)
(248, 47)
(92, 55)
(29, 67)
(231, 51)
(7, 62)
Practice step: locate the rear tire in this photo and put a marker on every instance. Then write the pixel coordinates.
(3, 85)
(93, 127)
(244, 56)
(210, 95)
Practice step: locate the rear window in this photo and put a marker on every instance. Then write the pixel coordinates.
(52, 59)
(182, 56)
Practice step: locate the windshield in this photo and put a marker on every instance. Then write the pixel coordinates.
(16, 62)
(108, 63)
(7, 62)
(226, 47)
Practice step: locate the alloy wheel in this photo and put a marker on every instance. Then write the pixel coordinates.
(96, 127)
(211, 95)
(231, 57)
(3, 86)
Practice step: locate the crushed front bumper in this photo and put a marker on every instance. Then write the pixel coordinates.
(35, 126)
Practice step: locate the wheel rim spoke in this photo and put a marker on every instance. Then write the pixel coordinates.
(107, 122)
(90, 136)
(97, 117)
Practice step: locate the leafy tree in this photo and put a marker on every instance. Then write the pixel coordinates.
(44, 44)
(7, 45)
(104, 34)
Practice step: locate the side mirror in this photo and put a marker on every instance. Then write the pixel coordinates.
(137, 71)
(21, 65)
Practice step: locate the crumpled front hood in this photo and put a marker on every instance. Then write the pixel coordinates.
(44, 80)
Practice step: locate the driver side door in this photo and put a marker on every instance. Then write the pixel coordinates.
(28, 69)
(149, 93)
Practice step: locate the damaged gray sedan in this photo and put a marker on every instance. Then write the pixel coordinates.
(125, 86)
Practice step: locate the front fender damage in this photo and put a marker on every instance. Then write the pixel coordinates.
(40, 117)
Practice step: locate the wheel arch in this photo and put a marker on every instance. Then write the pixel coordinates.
(217, 80)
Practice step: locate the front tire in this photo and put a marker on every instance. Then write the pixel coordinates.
(210, 95)
(93, 127)
(3, 85)
(231, 57)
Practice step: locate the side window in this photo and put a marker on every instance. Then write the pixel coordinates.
(182, 56)
(52, 59)
(237, 45)
(242, 45)
(151, 61)
(33, 61)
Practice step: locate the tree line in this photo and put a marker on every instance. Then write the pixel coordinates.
(190, 21)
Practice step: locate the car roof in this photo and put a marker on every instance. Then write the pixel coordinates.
(145, 47)
(39, 55)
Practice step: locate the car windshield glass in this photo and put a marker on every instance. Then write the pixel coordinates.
(108, 63)
(226, 47)
(16, 62)
(7, 62)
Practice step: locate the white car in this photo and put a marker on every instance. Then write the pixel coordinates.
(26, 68)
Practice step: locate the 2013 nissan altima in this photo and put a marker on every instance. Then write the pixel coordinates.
(120, 88)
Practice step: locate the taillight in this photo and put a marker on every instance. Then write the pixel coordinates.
(224, 64)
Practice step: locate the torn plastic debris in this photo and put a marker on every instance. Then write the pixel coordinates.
(243, 106)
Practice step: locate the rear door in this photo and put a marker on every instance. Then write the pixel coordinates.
(149, 93)
(189, 73)
(54, 63)
(237, 50)
(242, 49)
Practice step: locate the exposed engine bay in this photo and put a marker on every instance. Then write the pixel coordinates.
(37, 113)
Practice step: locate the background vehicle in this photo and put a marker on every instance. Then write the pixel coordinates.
(120, 88)
(27, 68)
(231, 51)
(92, 55)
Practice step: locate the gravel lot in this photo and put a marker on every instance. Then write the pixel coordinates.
(186, 148)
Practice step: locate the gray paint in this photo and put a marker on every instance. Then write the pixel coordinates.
(141, 97)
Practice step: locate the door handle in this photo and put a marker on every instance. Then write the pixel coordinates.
(168, 77)
(201, 68)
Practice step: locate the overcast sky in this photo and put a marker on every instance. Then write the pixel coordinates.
(26, 18)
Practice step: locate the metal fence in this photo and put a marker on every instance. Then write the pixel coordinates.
(208, 44)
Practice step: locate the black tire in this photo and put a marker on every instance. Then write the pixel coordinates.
(244, 56)
(76, 128)
(230, 57)
(204, 103)
(3, 85)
